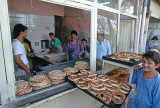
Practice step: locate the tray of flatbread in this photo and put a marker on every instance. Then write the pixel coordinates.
(125, 58)
(108, 91)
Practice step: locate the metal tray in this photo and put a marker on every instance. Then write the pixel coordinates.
(110, 105)
(131, 63)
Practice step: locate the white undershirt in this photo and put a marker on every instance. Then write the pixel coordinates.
(18, 48)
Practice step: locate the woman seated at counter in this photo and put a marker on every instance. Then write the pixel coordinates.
(74, 47)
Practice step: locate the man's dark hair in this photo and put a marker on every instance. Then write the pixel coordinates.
(155, 56)
(84, 40)
(28, 42)
(17, 29)
(51, 33)
(74, 32)
(102, 34)
(155, 38)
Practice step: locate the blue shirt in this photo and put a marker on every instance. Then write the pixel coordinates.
(86, 51)
(103, 49)
(149, 45)
(74, 50)
(147, 91)
(55, 42)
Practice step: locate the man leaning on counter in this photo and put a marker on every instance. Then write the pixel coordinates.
(74, 47)
(55, 44)
(20, 59)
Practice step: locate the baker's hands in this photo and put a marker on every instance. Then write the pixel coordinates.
(79, 57)
(28, 70)
(137, 67)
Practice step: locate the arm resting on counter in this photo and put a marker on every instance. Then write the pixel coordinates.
(52, 50)
(80, 55)
(21, 64)
(67, 57)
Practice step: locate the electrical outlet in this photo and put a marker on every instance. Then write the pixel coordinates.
(36, 43)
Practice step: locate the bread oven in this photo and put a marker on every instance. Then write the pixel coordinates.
(37, 62)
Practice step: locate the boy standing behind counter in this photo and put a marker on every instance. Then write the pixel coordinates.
(147, 82)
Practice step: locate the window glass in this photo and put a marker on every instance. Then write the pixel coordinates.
(109, 3)
(82, 0)
(129, 6)
(127, 32)
(90, 0)
(107, 25)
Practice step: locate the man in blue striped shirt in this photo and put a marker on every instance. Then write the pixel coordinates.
(149, 44)
(103, 46)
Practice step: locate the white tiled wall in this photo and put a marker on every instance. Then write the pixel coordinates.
(38, 27)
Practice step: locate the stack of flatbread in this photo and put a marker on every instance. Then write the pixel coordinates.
(56, 76)
(81, 65)
(39, 81)
(126, 56)
(22, 87)
(70, 70)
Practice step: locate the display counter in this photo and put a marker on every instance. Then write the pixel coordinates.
(57, 96)
(52, 58)
(39, 95)
(43, 94)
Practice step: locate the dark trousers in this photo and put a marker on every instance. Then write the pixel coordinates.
(73, 57)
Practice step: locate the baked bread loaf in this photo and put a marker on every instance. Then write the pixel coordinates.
(74, 77)
(125, 86)
(80, 75)
(92, 72)
(83, 84)
(96, 83)
(70, 70)
(56, 74)
(39, 81)
(81, 65)
(91, 77)
(118, 97)
(125, 56)
(54, 82)
(98, 88)
(22, 87)
(84, 71)
(102, 77)
(105, 96)
(94, 92)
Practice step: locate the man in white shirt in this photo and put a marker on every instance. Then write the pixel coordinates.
(21, 61)
(103, 46)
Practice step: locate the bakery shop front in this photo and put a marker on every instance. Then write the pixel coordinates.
(55, 82)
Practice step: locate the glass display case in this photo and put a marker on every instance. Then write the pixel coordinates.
(107, 24)
(129, 6)
(110, 65)
(126, 39)
(109, 3)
